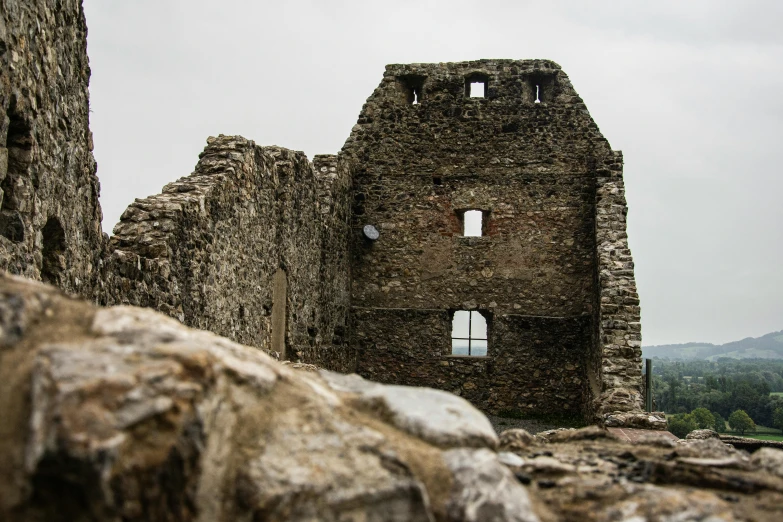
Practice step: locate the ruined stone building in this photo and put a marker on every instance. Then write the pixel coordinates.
(469, 236)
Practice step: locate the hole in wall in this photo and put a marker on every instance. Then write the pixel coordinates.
(53, 263)
(19, 143)
(11, 225)
(538, 94)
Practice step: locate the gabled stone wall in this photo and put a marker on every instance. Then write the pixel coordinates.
(528, 155)
(50, 218)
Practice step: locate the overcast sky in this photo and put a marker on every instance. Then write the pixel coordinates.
(690, 91)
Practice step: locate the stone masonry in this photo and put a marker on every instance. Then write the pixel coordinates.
(265, 247)
(252, 238)
(551, 273)
(50, 218)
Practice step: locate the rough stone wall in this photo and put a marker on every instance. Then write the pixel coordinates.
(49, 211)
(531, 166)
(534, 361)
(334, 185)
(225, 247)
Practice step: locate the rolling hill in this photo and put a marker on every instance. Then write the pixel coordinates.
(768, 346)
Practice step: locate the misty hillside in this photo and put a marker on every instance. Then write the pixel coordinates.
(768, 346)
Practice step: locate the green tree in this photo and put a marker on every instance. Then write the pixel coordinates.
(741, 422)
(673, 381)
(703, 418)
(777, 419)
(720, 422)
(682, 424)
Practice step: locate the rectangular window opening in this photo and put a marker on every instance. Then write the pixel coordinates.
(472, 223)
(469, 333)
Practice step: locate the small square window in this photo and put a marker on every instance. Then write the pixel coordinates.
(476, 85)
(469, 333)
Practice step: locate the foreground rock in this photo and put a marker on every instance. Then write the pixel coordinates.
(589, 475)
(124, 414)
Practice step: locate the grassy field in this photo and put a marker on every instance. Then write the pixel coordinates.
(761, 433)
(764, 436)
(776, 394)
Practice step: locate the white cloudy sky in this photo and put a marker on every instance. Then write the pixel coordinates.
(691, 91)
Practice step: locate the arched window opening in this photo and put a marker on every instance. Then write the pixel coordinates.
(53, 251)
(469, 333)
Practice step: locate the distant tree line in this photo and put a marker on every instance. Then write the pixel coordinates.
(720, 388)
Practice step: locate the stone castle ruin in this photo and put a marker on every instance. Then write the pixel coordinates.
(470, 236)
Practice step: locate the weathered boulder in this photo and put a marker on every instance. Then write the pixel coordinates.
(125, 414)
(515, 439)
(436, 416)
(584, 475)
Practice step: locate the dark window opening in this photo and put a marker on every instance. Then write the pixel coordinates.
(476, 86)
(413, 87)
(473, 223)
(469, 333)
(437, 181)
(53, 251)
